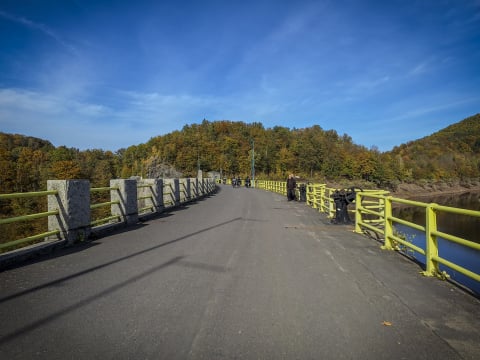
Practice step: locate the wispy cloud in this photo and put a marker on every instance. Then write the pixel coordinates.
(41, 27)
(49, 104)
(424, 110)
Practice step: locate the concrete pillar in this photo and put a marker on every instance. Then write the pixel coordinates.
(176, 183)
(189, 189)
(171, 192)
(193, 188)
(154, 192)
(73, 204)
(158, 195)
(184, 190)
(208, 185)
(126, 194)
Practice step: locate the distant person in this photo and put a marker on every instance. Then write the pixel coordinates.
(291, 186)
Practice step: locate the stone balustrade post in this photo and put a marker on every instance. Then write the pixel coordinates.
(154, 191)
(189, 189)
(158, 195)
(171, 192)
(184, 190)
(73, 204)
(176, 183)
(194, 188)
(125, 193)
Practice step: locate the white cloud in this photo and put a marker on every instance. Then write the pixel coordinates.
(30, 101)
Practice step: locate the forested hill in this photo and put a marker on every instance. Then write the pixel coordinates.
(227, 146)
(453, 152)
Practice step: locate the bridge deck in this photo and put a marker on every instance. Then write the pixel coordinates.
(243, 274)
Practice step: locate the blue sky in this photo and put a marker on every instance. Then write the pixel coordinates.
(110, 74)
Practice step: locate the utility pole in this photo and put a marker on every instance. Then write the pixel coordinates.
(253, 161)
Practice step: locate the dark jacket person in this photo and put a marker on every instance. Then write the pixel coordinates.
(291, 185)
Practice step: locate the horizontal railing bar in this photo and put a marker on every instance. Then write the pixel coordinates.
(370, 212)
(373, 228)
(457, 240)
(458, 268)
(145, 197)
(99, 221)
(407, 223)
(30, 238)
(457, 210)
(28, 194)
(408, 202)
(28, 217)
(407, 244)
(374, 221)
(107, 188)
(95, 206)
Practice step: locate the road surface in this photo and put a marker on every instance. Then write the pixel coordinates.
(242, 274)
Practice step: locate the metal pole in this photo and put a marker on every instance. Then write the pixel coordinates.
(253, 161)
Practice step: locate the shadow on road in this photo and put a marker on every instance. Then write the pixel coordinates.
(8, 337)
(123, 258)
(84, 302)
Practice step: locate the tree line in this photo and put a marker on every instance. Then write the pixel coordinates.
(227, 147)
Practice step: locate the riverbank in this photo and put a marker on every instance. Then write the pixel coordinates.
(420, 190)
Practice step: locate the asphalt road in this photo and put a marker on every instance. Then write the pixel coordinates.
(242, 274)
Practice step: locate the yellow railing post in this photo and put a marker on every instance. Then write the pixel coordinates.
(388, 224)
(312, 197)
(332, 209)
(358, 212)
(431, 246)
(321, 200)
(309, 195)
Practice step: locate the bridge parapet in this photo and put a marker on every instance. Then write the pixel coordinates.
(124, 198)
(150, 195)
(70, 207)
(72, 200)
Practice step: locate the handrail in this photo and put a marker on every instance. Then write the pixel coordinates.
(28, 239)
(93, 206)
(431, 250)
(107, 203)
(27, 194)
(105, 188)
(373, 211)
(74, 221)
(28, 217)
(149, 197)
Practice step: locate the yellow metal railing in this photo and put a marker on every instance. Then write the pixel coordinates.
(319, 197)
(279, 187)
(94, 206)
(374, 212)
(28, 217)
(146, 198)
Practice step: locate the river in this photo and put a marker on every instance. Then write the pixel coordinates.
(466, 227)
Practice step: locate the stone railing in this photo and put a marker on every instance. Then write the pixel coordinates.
(129, 200)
